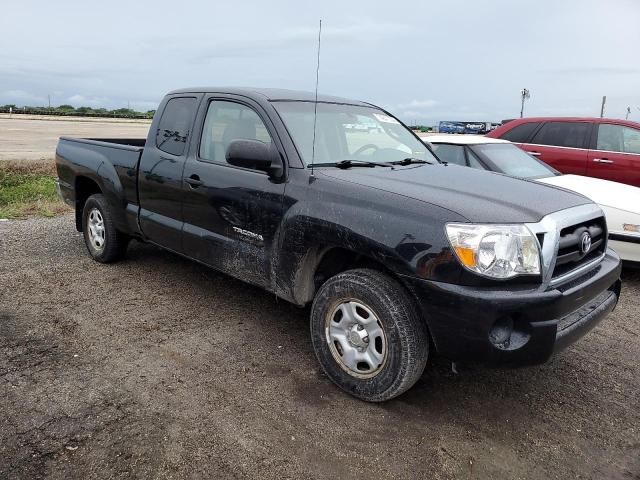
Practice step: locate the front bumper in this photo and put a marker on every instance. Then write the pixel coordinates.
(516, 326)
(627, 245)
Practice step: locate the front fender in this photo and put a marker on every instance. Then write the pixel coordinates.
(402, 242)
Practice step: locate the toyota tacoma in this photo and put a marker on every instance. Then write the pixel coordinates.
(399, 256)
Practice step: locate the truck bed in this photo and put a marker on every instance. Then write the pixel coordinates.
(111, 164)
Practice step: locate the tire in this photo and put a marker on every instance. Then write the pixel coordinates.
(109, 244)
(368, 335)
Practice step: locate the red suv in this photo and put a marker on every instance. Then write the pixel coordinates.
(595, 147)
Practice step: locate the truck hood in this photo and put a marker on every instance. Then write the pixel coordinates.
(477, 195)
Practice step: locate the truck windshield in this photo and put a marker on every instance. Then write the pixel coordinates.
(349, 132)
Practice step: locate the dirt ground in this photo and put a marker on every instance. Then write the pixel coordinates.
(35, 139)
(157, 367)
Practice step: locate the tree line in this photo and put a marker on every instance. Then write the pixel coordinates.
(70, 110)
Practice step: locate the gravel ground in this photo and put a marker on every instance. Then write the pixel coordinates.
(157, 367)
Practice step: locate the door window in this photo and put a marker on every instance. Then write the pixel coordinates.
(174, 125)
(450, 153)
(456, 154)
(473, 160)
(616, 138)
(520, 133)
(228, 121)
(562, 134)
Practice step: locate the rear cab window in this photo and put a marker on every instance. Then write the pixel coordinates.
(175, 124)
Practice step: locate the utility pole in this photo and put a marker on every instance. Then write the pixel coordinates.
(604, 100)
(525, 94)
(49, 99)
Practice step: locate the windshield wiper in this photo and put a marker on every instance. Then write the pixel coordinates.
(411, 161)
(352, 163)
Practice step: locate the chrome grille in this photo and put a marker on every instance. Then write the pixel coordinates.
(570, 254)
(557, 234)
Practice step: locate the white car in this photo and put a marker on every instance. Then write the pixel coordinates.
(620, 202)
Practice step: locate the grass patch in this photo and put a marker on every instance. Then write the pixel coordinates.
(28, 189)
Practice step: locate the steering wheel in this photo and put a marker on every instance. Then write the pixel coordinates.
(366, 147)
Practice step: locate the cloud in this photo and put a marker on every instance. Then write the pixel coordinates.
(418, 104)
(416, 109)
(143, 106)
(96, 102)
(234, 46)
(82, 101)
(21, 97)
(451, 115)
(385, 52)
(594, 70)
(25, 98)
(364, 30)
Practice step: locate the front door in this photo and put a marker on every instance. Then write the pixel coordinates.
(160, 172)
(617, 154)
(231, 214)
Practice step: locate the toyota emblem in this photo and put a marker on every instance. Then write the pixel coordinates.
(585, 243)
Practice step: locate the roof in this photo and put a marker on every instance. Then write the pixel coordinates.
(574, 119)
(461, 139)
(271, 94)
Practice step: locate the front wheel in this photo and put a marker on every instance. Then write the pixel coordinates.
(368, 335)
(104, 242)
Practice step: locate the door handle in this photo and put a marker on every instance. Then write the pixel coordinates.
(194, 181)
(535, 154)
(602, 160)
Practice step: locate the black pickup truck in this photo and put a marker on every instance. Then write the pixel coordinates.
(336, 204)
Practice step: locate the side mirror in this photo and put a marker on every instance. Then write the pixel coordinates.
(256, 155)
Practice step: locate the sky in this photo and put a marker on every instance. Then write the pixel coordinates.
(424, 61)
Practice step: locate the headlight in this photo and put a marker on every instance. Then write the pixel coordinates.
(496, 251)
(630, 227)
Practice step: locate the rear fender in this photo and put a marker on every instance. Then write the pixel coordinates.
(94, 165)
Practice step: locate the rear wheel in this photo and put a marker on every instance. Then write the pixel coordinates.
(368, 335)
(104, 242)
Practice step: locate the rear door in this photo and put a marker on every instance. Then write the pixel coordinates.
(616, 155)
(562, 144)
(231, 214)
(160, 171)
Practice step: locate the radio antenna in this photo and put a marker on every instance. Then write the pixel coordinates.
(315, 104)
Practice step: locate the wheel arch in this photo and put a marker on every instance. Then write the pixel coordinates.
(84, 187)
(322, 262)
